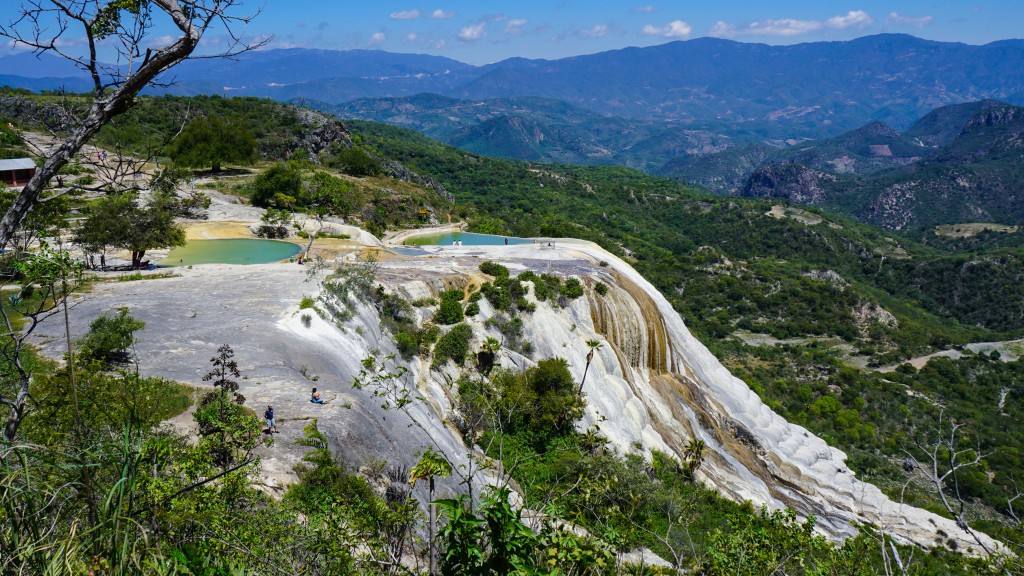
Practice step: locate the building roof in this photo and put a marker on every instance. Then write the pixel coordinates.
(17, 164)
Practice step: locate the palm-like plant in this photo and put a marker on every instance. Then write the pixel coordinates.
(593, 345)
(431, 464)
(485, 358)
(693, 456)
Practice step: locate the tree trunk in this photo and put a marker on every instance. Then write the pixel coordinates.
(137, 256)
(590, 356)
(103, 110)
(432, 520)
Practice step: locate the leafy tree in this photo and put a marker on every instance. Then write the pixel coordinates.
(776, 543)
(118, 221)
(329, 195)
(49, 276)
(109, 338)
(278, 186)
(496, 542)
(540, 403)
(214, 141)
(356, 162)
(274, 223)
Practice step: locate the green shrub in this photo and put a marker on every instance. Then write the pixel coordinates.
(408, 345)
(428, 335)
(472, 309)
(450, 311)
(494, 269)
(572, 289)
(601, 288)
(356, 162)
(306, 303)
(109, 338)
(454, 345)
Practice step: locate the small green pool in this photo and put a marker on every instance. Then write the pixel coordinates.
(467, 239)
(236, 251)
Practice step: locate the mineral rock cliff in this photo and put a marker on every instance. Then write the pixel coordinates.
(652, 382)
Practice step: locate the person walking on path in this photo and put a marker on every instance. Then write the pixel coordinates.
(271, 423)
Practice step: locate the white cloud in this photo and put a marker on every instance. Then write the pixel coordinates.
(515, 25)
(412, 37)
(472, 32)
(858, 18)
(723, 29)
(647, 8)
(594, 31)
(160, 41)
(674, 29)
(441, 14)
(786, 27)
(405, 15)
(781, 27)
(439, 43)
(377, 38)
(897, 19)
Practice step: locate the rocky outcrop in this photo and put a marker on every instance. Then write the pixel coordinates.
(402, 172)
(322, 131)
(51, 116)
(793, 182)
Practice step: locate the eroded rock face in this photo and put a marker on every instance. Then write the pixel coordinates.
(794, 182)
(652, 382)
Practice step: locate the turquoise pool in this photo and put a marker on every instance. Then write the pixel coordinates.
(467, 239)
(236, 251)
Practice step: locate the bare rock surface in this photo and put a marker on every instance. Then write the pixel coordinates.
(651, 383)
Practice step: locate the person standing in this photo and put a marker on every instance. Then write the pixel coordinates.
(271, 423)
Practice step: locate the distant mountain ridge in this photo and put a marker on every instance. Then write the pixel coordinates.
(977, 175)
(810, 88)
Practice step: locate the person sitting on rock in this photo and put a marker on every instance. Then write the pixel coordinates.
(314, 397)
(271, 423)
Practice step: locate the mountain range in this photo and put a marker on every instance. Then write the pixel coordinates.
(810, 89)
(959, 163)
(737, 118)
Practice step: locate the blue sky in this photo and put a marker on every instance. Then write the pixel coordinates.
(487, 31)
(484, 31)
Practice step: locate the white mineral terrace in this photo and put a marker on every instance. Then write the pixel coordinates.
(651, 383)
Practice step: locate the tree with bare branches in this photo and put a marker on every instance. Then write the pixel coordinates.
(940, 455)
(124, 28)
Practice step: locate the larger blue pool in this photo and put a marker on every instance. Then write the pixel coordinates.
(467, 239)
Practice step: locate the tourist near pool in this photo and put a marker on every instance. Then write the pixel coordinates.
(235, 251)
(467, 239)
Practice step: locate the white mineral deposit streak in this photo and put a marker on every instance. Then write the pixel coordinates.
(787, 464)
(651, 384)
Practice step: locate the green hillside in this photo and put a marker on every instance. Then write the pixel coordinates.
(802, 304)
(834, 293)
